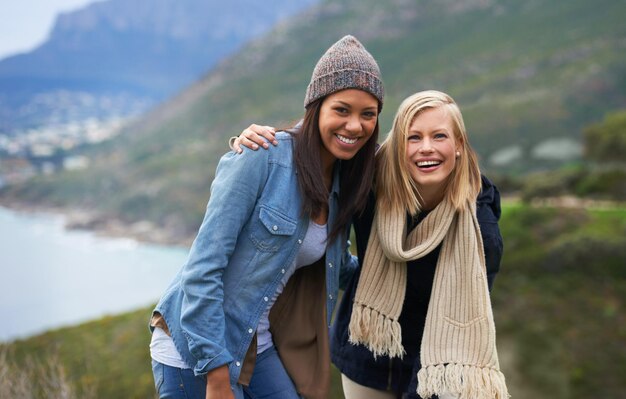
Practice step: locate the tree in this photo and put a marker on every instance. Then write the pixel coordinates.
(606, 142)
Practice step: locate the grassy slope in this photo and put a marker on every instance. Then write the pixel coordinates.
(558, 301)
(521, 71)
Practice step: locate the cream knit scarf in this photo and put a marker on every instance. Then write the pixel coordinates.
(458, 350)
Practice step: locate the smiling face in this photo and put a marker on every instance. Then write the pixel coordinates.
(431, 152)
(346, 121)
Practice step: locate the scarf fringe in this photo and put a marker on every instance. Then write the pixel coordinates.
(467, 382)
(380, 334)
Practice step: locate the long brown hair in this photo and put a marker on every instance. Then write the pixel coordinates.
(355, 177)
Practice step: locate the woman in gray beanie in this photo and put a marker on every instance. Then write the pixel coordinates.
(248, 314)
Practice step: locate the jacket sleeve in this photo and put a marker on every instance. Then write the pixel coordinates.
(488, 214)
(239, 181)
(349, 265)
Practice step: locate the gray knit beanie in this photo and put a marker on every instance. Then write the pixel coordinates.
(345, 65)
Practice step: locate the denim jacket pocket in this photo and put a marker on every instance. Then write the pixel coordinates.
(273, 227)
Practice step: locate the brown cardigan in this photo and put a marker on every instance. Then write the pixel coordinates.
(300, 334)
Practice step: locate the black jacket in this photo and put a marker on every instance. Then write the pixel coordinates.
(356, 361)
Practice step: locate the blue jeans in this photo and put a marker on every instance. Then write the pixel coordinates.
(269, 380)
(176, 383)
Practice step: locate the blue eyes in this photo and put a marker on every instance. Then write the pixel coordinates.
(436, 136)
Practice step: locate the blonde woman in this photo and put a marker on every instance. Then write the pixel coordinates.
(415, 320)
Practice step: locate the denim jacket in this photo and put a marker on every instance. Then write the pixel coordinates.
(250, 234)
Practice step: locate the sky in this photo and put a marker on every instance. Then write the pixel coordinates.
(25, 24)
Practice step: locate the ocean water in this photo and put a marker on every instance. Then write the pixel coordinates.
(51, 277)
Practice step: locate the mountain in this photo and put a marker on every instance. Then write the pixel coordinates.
(121, 56)
(528, 75)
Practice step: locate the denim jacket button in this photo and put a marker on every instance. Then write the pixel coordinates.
(274, 227)
(238, 364)
(282, 271)
(330, 297)
(299, 241)
(250, 330)
(330, 265)
(266, 299)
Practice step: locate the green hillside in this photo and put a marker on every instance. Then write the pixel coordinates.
(558, 301)
(529, 76)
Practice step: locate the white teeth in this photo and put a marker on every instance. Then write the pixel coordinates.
(428, 163)
(346, 140)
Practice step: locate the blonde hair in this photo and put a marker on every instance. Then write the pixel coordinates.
(395, 188)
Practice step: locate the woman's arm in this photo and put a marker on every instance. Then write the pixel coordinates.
(218, 384)
(253, 137)
(488, 215)
(349, 265)
(202, 316)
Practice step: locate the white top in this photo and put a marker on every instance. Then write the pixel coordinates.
(162, 350)
(313, 247)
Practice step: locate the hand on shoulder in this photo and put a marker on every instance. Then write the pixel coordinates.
(253, 137)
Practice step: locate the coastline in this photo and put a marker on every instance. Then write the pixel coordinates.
(54, 277)
(147, 232)
(142, 231)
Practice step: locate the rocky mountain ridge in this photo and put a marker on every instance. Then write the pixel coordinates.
(142, 49)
